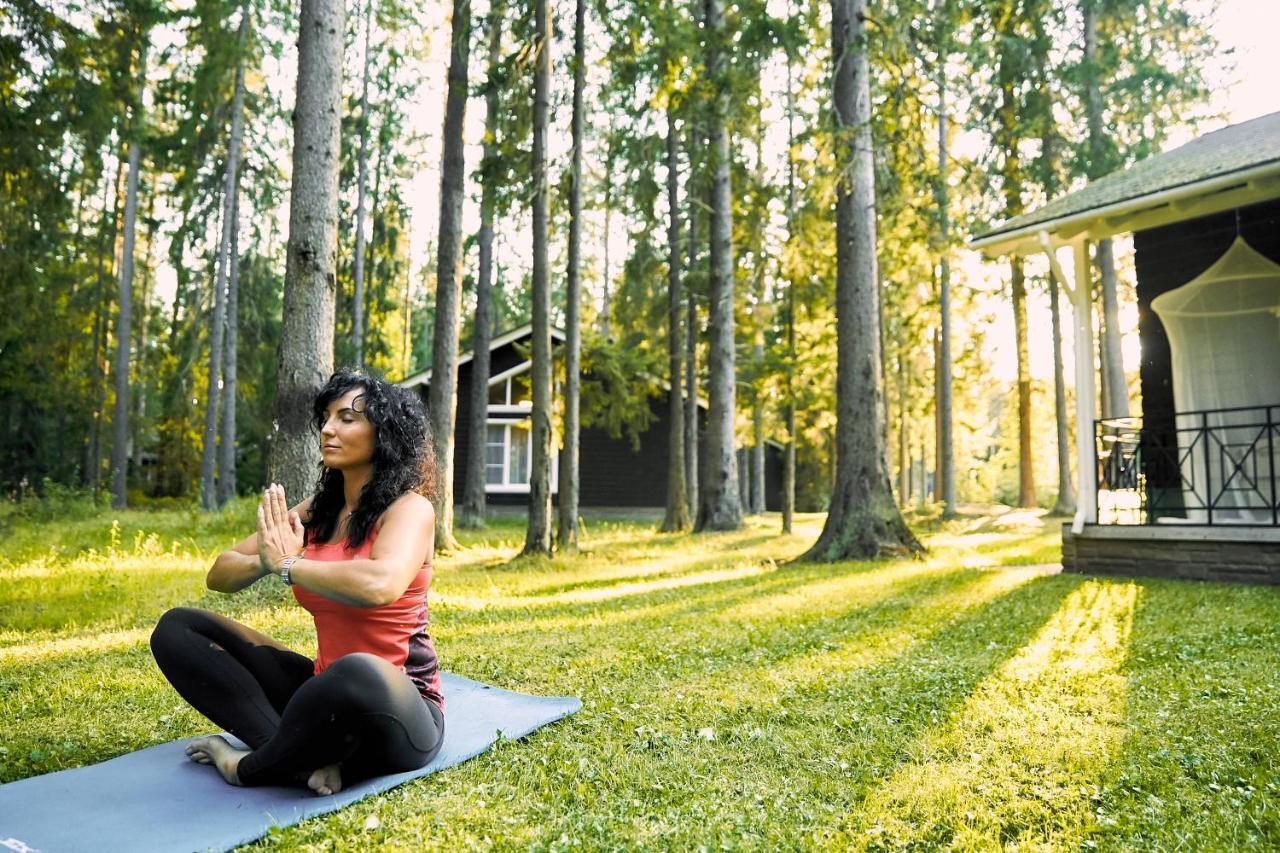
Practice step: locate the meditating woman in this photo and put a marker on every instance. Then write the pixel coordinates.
(357, 555)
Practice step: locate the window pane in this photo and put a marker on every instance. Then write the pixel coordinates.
(498, 394)
(495, 450)
(519, 468)
(520, 390)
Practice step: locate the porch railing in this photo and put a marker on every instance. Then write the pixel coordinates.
(1212, 467)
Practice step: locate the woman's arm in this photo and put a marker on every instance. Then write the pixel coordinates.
(240, 565)
(406, 537)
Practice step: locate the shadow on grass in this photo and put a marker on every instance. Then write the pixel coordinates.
(773, 769)
(1199, 767)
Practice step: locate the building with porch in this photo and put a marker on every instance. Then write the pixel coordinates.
(613, 473)
(1191, 487)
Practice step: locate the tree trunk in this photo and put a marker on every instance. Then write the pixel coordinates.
(608, 231)
(567, 537)
(757, 426)
(789, 454)
(362, 184)
(719, 507)
(863, 520)
(227, 432)
(306, 335)
(473, 498)
(230, 181)
(538, 532)
(89, 471)
(444, 340)
(946, 459)
(904, 456)
(1115, 388)
(677, 511)
(1117, 391)
(120, 416)
(1066, 502)
(691, 338)
(140, 342)
(1026, 471)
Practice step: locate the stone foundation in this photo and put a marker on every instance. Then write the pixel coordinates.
(1242, 555)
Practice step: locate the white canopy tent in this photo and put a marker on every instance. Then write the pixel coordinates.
(1224, 337)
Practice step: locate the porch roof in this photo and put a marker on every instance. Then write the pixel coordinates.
(1227, 168)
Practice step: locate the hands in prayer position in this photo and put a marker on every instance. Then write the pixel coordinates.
(280, 532)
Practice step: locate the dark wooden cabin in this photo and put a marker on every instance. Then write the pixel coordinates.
(614, 474)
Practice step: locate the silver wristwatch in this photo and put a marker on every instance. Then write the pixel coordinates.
(286, 565)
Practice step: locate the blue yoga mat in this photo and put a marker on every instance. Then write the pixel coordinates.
(145, 800)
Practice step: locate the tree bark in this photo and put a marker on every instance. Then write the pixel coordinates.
(1115, 388)
(138, 394)
(91, 468)
(120, 416)
(567, 536)
(691, 336)
(473, 498)
(306, 336)
(538, 532)
(789, 454)
(1026, 470)
(444, 340)
(863, 520)
(362, 185)
(227, 432)
(719, 507)
(757, 428)
(1066, 502)
(230, 181)
(946, 460)
(904, 439)
(608, 231)
(677, 510)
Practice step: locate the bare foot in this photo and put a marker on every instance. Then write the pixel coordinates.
(326, 780)
(216, 751)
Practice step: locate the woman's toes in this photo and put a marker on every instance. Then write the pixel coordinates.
(325, 780)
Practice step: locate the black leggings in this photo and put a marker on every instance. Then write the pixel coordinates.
(361, 712)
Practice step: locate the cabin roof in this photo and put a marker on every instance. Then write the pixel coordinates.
(1227, 168)
(423, 377)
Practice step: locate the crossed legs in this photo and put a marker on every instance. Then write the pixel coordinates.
(361, 717)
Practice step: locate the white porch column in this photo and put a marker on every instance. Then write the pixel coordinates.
(1086, 391)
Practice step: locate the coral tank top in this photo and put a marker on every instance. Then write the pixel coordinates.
(395, 632)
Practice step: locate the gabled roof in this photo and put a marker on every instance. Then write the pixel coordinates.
(1228, 168)
(423, 377)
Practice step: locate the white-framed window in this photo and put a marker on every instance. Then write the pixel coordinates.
(510, 390)
(508, 457)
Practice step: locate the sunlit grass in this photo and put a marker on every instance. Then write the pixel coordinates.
(1018, 761)
(731, 698)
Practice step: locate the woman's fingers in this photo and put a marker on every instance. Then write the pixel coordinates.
(282, 506)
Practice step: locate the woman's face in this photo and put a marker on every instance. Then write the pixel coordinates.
(346, 436)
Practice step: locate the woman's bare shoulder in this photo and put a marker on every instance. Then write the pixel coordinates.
(411, 507)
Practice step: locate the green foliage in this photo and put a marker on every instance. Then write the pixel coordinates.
(618, 387)
(1017, 80)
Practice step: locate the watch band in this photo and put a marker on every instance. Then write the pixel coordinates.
(285, 566)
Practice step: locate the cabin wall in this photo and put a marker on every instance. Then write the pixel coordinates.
(613, 474)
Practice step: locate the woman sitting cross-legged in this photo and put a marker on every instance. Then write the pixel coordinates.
(357, 555)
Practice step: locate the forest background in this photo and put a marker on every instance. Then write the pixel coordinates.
(117, 162)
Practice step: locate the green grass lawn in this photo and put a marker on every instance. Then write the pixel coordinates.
(972, 699)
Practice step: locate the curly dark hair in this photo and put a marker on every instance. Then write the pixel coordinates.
(403, 458)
